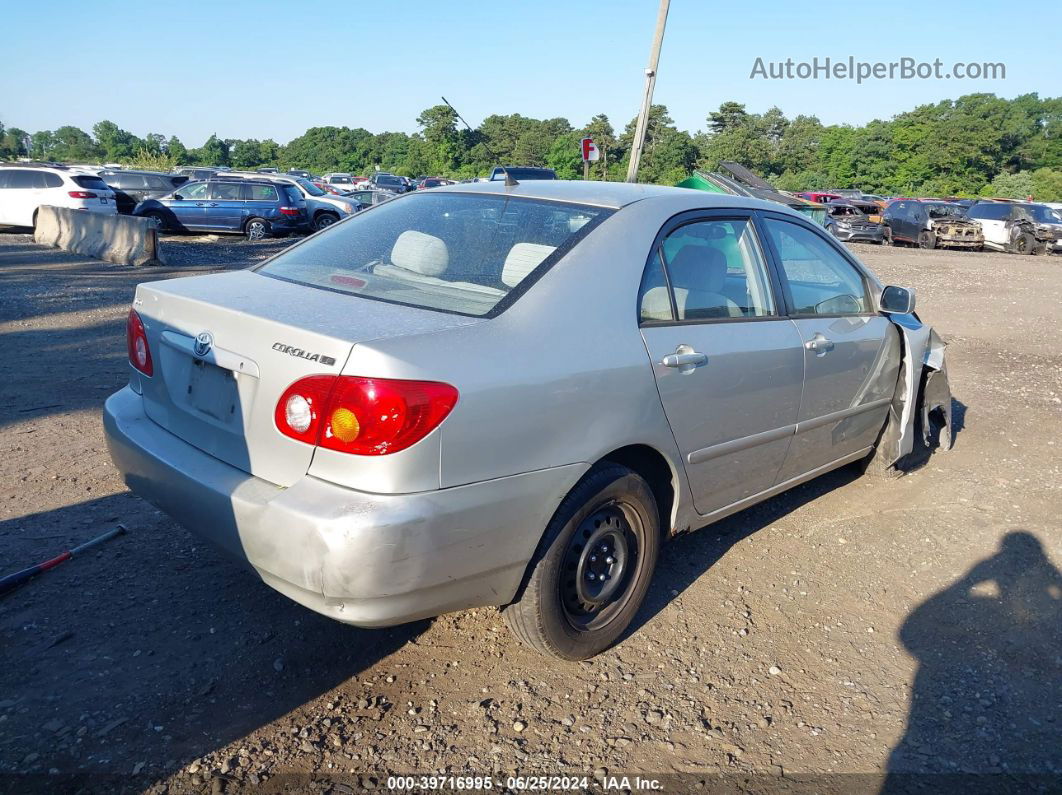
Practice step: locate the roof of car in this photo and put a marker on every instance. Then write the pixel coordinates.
(607, 194)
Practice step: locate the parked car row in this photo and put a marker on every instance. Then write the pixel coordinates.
(997, 224)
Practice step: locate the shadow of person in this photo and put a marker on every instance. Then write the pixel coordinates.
(987, 697)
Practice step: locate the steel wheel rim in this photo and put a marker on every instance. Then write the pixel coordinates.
(605, 544)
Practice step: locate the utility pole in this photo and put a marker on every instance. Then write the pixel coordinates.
(647, 100)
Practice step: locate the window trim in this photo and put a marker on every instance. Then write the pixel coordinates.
(686, 218)
(776, 265)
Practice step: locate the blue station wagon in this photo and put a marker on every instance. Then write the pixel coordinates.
(257, 209)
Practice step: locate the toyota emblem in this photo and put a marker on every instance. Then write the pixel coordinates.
(203, 342)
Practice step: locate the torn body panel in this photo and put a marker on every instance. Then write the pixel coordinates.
(922, 388)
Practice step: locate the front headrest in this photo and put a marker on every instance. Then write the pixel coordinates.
(700, 268)
(420, 253)
(521, 260)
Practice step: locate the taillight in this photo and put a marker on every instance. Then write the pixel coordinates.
(290, 210)
(136, 341)
(362, 416)
(81, 194)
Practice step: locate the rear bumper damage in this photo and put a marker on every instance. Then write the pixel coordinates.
(923, 389)
(360, 558)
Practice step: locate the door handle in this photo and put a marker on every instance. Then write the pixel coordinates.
(212, 204)
(199, 204)
(684, 358)
(819, 344)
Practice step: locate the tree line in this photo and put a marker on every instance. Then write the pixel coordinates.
(978, 144)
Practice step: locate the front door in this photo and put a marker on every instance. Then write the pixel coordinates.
(851, 353)
(729, 366)
(190, 210)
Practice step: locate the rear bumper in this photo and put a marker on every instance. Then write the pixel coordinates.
(363, 559)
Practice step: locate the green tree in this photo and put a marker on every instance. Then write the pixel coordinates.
(115, 144)
(178, 151)
(215, 152)
(73, 145)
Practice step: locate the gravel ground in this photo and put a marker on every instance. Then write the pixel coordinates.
(850, 626)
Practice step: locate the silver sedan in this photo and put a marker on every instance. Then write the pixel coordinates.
(491, 395)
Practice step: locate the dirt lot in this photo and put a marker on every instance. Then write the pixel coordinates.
(850, 626)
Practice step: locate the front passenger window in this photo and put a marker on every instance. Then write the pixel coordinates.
(820, 280)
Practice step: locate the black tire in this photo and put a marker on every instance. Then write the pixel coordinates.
(886, 237)
(613, 508)
(927, 239)
(257, 229)
(1025, 243)
(324, 220)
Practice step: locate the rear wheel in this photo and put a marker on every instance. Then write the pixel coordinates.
(257, 229)
(324, 220)
(592, 570)
(927, 239)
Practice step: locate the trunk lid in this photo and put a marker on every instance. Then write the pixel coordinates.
(226, 346)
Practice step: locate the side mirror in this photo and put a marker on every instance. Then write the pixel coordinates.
(178, 196)
(897, 300)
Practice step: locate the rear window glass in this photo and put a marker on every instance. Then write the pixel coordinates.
(447, 251)
(90, 183)
(292, 193)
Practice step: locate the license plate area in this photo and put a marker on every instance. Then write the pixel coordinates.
(213, 391)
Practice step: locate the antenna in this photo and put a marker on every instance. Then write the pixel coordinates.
(509, 181)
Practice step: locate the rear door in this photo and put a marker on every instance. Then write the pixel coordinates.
(850, 352)
(729, 365)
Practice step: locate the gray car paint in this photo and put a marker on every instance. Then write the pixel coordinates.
(556, 382)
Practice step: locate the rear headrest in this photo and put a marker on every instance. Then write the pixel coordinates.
(700, 268)
(420, 253)
(521, 260)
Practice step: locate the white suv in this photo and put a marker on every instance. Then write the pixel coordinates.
(24, 188)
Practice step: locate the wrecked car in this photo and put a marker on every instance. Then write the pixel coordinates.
(487, 394)
(846, 221)
(931, 224)
(1018, 228)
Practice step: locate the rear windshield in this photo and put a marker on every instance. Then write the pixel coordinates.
(389, 181)
(93, 183)
(448, 251)
(310, 188)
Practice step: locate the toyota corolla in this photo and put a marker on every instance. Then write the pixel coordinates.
(512, 395)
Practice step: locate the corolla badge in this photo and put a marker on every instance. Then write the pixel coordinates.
(204, 340)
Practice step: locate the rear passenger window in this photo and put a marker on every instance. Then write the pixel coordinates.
(227, 191)
(820, 280)
(261, 193)
(715, 270)
(52, 180)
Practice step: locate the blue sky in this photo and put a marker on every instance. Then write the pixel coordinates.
(269, 69)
